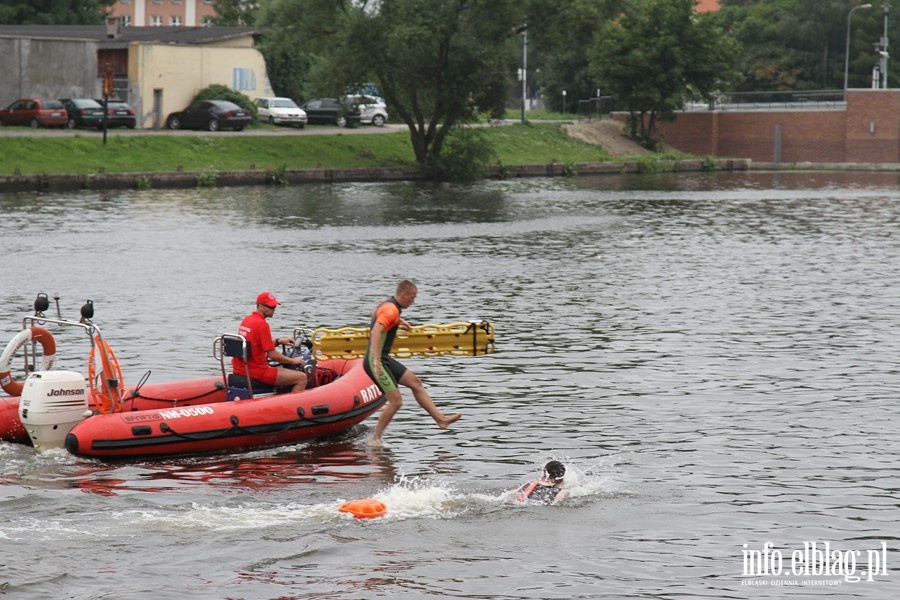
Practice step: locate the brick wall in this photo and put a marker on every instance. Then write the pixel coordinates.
(868, 131)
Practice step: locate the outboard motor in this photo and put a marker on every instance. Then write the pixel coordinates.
(52, 402)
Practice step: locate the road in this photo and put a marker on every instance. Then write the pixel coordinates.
(265, 131)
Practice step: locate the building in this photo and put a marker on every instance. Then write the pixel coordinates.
(702, 5)
(158, 70)
(164, 13)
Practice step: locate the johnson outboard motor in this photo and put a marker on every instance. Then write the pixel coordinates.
(52, 403)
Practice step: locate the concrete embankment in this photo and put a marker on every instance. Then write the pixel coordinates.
(186, 179)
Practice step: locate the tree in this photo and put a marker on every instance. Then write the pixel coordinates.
(765, 61)
(657, 55)
(800, 44)
(437, 62)
(54, 12)
(235, 13)
(559, 34)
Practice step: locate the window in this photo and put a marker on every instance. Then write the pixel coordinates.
(156, 21)
(175, 21)
(126, 21)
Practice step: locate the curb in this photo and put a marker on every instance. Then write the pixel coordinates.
(187, 179)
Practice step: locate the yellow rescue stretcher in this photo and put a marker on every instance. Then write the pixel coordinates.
(472, 338)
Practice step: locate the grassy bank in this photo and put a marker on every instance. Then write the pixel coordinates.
(84, 153)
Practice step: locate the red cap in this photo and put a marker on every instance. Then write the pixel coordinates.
(268, 299)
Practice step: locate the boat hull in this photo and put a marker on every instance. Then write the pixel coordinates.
(194, 417)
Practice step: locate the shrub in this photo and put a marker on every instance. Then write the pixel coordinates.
(217, 91)
(463, 157)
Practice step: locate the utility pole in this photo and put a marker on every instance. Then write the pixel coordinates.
(884, 47)
(525, 69)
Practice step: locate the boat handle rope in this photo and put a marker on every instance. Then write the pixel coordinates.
(164, 427)
(136, 393)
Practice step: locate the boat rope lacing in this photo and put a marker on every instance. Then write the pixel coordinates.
(237, 427)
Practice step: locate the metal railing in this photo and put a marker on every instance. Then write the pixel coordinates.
(787, 100)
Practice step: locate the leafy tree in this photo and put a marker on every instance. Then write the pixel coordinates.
(800, 44)
(559, 34)
(437, 62)
(656, 56)
(288, 61)
(235, 13)
(54, 12)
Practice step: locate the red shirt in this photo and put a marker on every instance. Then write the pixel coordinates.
(256, 329)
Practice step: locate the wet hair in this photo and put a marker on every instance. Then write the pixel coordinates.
(555, 469)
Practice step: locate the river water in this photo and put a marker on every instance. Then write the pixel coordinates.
(714, 358)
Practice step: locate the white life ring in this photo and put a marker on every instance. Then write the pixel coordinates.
(32, 334)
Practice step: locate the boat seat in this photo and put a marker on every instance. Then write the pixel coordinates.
(259, 388)
(240, 387)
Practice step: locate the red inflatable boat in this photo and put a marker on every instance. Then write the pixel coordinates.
(95, 417)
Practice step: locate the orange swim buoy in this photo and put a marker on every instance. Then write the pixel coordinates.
(32, 334)
(108, 396)
(364, 508)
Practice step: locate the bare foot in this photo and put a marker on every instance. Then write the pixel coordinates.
(445, 422)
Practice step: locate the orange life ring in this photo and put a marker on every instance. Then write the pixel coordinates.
(364, 508)
(108, 397)
(32, 334)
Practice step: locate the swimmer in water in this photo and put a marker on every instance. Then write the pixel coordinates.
(546, 490)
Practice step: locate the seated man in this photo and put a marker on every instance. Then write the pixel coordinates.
(546, 490)
(256, 330)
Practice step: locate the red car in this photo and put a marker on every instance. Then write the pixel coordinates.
(36, 112)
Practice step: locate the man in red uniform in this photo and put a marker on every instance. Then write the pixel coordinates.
(256, 330)
(386, 371)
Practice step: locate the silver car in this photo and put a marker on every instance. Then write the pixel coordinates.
(373, 111)
(280, 111)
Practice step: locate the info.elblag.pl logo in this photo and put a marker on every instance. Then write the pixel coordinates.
(819, 563)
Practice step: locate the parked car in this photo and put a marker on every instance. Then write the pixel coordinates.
(331, 111)
(372, 111)
(280, 111)
(210, 114)
(36, 112)
(83, 112)
(120, 113)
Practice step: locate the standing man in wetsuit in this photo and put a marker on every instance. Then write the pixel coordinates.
(386, 371)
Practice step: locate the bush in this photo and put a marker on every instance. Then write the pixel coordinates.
(464, 156)
(218, 91)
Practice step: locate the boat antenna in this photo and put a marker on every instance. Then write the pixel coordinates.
(56, 299)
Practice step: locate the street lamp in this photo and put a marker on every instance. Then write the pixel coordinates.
(564, 101)
(847, 52)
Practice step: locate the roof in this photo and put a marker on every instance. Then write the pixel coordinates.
(708, 5)
(166, 35)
